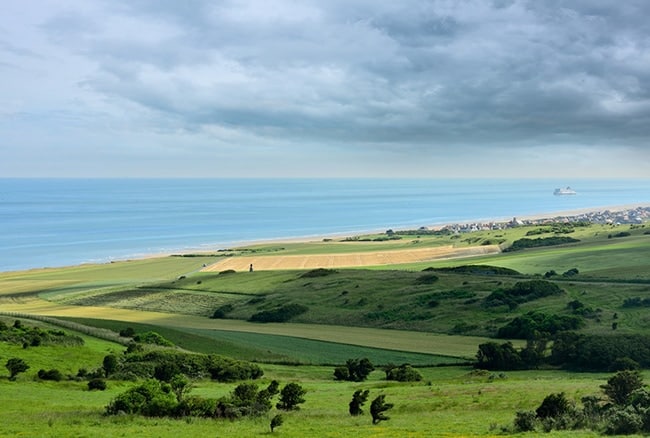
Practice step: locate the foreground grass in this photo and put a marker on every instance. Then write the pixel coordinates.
(449, 402)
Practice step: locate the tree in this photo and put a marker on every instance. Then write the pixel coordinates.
(16, 366)
(290, 397)
(358, 400)
(109, 364)
(377, 409)
(276, 421)
(621, 385)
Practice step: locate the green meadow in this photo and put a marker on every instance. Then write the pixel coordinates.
(422, 314)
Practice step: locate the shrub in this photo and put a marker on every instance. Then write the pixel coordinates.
(426, 279)
(403, 373)
(276, 421)
(128, 332)
(227, 271)
(279, 314)
(623, 421)
(222, 311)
(528, 325)
(620, 386)
(318, 272)
(524, 243)
(525, 421)
(97, 385)
(52, 374)
(194, 406)
(554, 406)
(153, 338)
(151, 398)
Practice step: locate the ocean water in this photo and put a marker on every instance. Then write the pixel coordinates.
(58, 222)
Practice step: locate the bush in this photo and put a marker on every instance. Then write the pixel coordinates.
(279, 314)
(153, 338)
(554, 406)
(524, 243)
(403, 373)
(521, 292)
(319, 272)
(152, 399)
(222, 311)
(525, 421)
(227, 271)
(426, 279)
(128, 332)
(528, 325)
(52, 374)
(97, 385)
(623, 421)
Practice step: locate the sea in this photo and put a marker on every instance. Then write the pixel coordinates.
(60, 222)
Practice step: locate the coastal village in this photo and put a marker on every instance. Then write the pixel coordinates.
(637, 215)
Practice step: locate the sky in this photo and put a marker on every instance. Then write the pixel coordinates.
(336, 88)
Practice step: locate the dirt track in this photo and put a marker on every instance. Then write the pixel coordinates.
(375, 258)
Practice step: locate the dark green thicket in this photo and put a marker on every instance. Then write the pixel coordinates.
(524, 243)
(279, 314)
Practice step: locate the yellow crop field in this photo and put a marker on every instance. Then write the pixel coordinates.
(353, 259)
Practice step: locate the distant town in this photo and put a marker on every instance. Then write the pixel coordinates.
(637, 215)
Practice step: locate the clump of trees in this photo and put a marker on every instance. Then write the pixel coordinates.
(152, 338)
(505, 357)
(153, 398)
(521, 292)
(591, 352)
(163, 364)
(525, 243)
(529, 325)
(354, 370)
(624, 409)
(27, 336)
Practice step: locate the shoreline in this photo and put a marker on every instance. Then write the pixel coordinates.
(318, 238)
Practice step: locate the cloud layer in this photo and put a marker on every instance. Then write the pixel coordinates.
(304, 88)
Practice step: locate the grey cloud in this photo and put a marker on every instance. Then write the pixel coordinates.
(417, 72)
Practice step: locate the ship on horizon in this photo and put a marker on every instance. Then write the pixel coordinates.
(564, 191)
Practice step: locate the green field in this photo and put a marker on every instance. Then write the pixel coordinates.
(390, 314)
